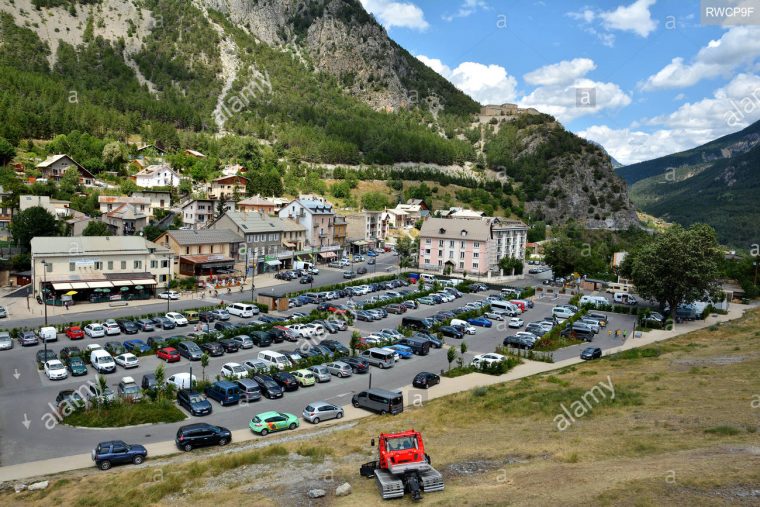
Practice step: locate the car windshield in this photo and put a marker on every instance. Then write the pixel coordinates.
(131, 389)
(238, 369)
(104, 359)
(56, 366)
(401, 443)
(197, 398)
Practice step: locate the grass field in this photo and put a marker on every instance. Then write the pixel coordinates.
(126, 414)
(681, 430)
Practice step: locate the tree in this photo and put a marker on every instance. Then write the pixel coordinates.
(355, 341)
(463, 348)
(159, 373)
(677, 266)
(7, 151)
(537, 232)
(511, 265)
(97, 228)
(204, 364)
(560, 255)
(451, 354)
(33, 222)
(128, 186)
(151, 232)
(114, 155)
(375, 201)
(69, 184)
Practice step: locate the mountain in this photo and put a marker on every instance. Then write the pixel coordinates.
(695, 159)
(316, 81)
(720, 194)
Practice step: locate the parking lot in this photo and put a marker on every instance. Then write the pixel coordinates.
(26, 395)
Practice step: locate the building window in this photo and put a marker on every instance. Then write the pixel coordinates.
(461, 265)
(462, 244)
(138, 264)
(475, 265)
(427, 262)
(451, 254)
(440, 242)
(72, 266)
(440, 263)
(164, 264)
(123, 265)
(451, 244)
(98, 265)
(476, 255)
(440, 253)
(427, 241)
(153, 264)
(110, 265)
(477, 244)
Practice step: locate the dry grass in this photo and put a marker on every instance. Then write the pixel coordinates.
(681, 430)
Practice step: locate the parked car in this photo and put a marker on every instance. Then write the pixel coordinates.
(269, 422)
(451, 332)
(194, 402)
(425, 380)
(339, 369)
(516, 322)
(243, 341)
(304, 377)
(403, 351)
(229, 345)
(189, 350)
(357, 364)
(137, 346)
(156, 342)
(286, 380)
(27, 338)
(249, 390)
(116, 452)
(220, 314)
(45, 355)
(177, 318)
(6, 342)
(111, 327)
(169, 294)
(321, 411)
(128, 389)
(321, 373)
(591, 353)
(114, 348)
(519, 342)
(145, 325)
(127, 360)
(163, 323)
(127, 326)
(55, 370)
(94, 330)
(201, 435)
(74, 333)
(213, 349)
(76, 366)
(489, 359)
(233, 371)
(269, 388)
(480, 321)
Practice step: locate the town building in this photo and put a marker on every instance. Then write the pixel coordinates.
(158, 199)
(470, 246)
(262, 237)
(55, 166)
(126, 219)
(109, 203)
(56, 207)
(367, 229)
(227, 187)
(199, 213)
(204, 252)
(98, 268)
(317, 216)
(157, 175)
(259, 204)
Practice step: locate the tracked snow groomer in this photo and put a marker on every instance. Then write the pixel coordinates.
(402, 466)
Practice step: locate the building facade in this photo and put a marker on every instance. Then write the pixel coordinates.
(202, 252)
(199, 213)
(55, 166)
(228, 187)
(160, 175)
(109, 203)
(262, 237)
(318, 217)
(125, 220)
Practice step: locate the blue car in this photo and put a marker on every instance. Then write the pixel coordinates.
(403, 351)
(371, 254)
(138, 346)
(116, 452)
(479, 321)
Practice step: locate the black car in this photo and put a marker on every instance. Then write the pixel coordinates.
(114, 348)
(591, 353)
(194, 402)
(67, 352)
(336, 347)
(69, 398)
(145, 325)
(213, 349)
(42, 357)
(361, 271)
(451, 332)
(200, 435)
(285, 380)
(157, 342)
(207, 317)
(306, 279)
(271, 319)
(223, 326)
(357, 364)
(518, 342)
(425, 380)
(164, 323)
(278, 335)
(229, 345)
(149, 382)
(117, 452)
(261, 338)
(128, 326)
(434, 340)
(269, 388)
(410, 304)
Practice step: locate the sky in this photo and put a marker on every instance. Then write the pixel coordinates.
(644, 78)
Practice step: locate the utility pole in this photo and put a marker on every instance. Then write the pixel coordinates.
(253, 275)
(44, 302)
(168, 280)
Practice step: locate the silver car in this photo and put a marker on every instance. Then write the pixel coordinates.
(6, 342)
(221, 314)
(321, 372)
(321, 411)
(339, 369)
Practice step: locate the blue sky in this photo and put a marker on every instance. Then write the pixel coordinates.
(662, 81)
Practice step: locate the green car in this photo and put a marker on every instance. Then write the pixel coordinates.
(76, 366)
(304, 377)
(267, 422)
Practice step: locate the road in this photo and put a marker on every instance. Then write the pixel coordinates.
(27, 397)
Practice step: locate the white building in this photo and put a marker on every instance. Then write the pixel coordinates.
(160, 175)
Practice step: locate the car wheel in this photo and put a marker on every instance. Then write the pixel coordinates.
(137, 460)
(222, 441)
(292, 426)
(339, 415)
(382, 367)
(104, 465)
(264, 432)
(383, 412)
(355, 404)
(315, 420)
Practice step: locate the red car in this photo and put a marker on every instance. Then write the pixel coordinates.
(168, 354)
(75, 332)
(337, 309)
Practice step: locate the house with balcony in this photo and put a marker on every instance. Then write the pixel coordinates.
(109, 203)
(158, 175)
(157, 199)
(317, 216)
(367, 229)
(56, 207)
(259, 204)
(204, 252)
(227, 187)
(125, 220)
(55, 166)
(199, 213)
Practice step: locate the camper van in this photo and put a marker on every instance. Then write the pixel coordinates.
(505, 307)
(596, 301)
(623, 298)
(619, 287)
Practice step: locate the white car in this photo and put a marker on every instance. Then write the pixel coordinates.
(516, 322)
(374, 339)
(169, 294)
(257, 365)
(313, 271)
(495, 316)
(111, 327)
(234, 370)
(95, 330)
(55, 370)
(319, 329)
(302, 330)
(94, 346)
(127, 360)
(177, 318)
(487, 359)
(396, 357)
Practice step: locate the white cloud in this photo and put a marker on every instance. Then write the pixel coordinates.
(679, 97)
(732, 107)
(397, 14)
(560, 73)
(467, 8)
(559, 85)
(738, 46)
(634, 18)
(585, 15)
(488, 84)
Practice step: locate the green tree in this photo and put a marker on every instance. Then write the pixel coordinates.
(355, 341)
(97, 228)
(69, 184)
(7, 151)
(151, 232)
(451, 355)
(561, 255)
(204, 364)
(511, 265)
(128, 186)
(33, 222)
(537, 232)
(463, 348)
(115, 154)
(375, 201)
(676, 266)
(160, 375)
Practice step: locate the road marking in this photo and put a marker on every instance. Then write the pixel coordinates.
(26, 422)
(16, 374)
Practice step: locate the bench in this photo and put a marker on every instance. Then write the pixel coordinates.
(118, 303)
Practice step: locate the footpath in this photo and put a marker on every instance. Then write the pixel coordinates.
(412, 397)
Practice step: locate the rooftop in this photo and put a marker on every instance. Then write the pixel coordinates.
(255, 222)
(203, 236)
(456, 228)
(93, 245)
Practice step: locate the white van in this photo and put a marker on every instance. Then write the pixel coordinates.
(48, 334)
(562, 313)
(596, 301)
(505, 307)
(468, 328)
(623, 298)
(182, 380)
(382, 358)
(427, 278)
(272, 358)
(102, 361)
(242, 310)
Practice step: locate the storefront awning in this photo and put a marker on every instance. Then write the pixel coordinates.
(289, 245)
(62, 286)
(208, 260)
(99, 285)
(79, 285)
(361, 242)
(328, 255)
(273, 263)
(144, 281)
(121, 283)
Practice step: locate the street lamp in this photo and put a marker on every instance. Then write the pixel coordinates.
(168, 280)
(253, 275)
(44, 302)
